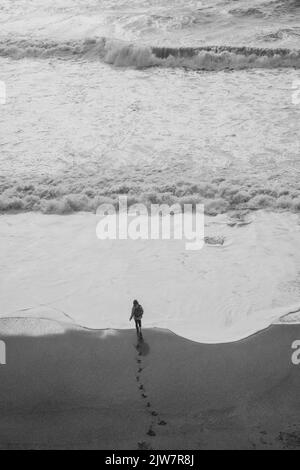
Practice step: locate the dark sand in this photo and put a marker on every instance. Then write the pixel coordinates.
(81, 389)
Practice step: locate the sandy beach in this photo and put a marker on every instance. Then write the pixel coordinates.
(65, 387)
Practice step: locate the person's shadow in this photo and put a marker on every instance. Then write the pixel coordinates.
(142, 347)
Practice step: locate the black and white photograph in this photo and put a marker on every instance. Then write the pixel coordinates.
(150, 227)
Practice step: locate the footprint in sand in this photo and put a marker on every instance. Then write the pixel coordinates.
(155, 420)
(151, 432)
(142, 445)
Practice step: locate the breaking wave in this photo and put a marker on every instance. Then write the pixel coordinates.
(252, 12)
(281, 34)
(132, 55)
(268, 9)
(62, 195)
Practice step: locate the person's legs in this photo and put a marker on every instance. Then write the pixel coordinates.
(140, 327)
(137, 327)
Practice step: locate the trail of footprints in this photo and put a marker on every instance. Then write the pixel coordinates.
(153, 414)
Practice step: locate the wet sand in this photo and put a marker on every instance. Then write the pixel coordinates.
(70, 388)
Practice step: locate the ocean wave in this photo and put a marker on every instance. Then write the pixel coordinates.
(62, 196)
(280, 34)
(211, 58)
(268, 9)
(252, 12)
(285, 6)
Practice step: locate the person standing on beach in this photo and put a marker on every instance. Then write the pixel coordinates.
(137, 313)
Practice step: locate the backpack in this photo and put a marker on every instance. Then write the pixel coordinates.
(138, 313)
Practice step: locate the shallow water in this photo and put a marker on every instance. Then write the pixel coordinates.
(55, 267)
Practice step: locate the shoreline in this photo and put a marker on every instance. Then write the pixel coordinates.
(70, 322)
